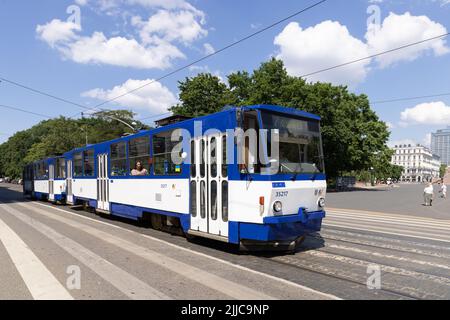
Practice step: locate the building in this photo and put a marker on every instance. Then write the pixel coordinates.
(440, 145)
(419, 163)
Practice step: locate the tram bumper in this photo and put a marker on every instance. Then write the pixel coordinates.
(280, 232)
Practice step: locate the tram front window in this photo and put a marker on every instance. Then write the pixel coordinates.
(300, 148)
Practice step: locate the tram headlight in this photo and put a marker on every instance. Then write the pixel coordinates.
(321, 202)
(277, 206)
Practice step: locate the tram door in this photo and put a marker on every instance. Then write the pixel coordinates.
(69, 182)
(209, 185)
(51, 182)
(102, 182)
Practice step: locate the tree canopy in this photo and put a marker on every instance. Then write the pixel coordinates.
(57, 136)
(353, 135)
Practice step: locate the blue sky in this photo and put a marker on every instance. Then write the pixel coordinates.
(118, 45)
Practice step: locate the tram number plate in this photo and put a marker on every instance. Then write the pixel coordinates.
(281, 194)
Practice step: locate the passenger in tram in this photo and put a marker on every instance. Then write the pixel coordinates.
(139, 170)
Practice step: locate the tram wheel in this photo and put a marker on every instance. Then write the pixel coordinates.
(156, 221)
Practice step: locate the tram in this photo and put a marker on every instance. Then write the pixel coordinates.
(217, 176)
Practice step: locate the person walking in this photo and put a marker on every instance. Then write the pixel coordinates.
(428, 194)
(444, 191)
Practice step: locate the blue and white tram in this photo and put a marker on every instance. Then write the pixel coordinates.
(210, 192)
(46, 179)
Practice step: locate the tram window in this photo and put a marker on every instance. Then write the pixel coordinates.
(118, 159)
(193, 162)
(89, 163)
(60, 168)
(224, 157)
(139, 151)
(202, 199)
(225, 201)
(194, 198)
(213, 157)
(214, 200)
(78, 164)
(163, 149)
(202, 159)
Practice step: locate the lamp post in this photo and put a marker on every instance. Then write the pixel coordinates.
(85, 131)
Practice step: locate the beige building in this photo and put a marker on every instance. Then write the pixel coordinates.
(418, 162)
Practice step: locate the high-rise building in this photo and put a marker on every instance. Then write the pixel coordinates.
(418, 162)
(440, 145)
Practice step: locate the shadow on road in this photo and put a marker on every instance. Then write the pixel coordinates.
(9, 195)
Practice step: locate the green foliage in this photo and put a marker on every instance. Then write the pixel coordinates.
(202, 95)
(352, 132)
(442, 171)
(57, 136)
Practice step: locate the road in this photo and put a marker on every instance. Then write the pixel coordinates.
(57, 252)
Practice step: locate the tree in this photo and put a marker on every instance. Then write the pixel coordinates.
(352, 132)
(202, 95)
(443, 170)
(57, 136)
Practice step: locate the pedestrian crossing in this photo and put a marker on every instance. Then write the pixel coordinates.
(40, 242)
(128, 264)
(391, 224)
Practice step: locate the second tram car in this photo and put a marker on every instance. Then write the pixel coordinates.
(226, 188)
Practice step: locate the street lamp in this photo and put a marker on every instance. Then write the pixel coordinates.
(85, 131)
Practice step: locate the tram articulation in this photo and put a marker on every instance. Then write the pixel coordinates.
(224, 188)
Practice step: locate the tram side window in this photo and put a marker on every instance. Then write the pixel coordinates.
(139, 151)
(163, 148)
(78, 164)
(61, 168)
(89, 163)
(118, 159)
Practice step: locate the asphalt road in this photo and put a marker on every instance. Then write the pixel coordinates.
(45, 247)
(404, 199)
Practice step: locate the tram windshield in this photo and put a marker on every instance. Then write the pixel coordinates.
(300, 144)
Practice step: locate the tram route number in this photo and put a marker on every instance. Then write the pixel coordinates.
(230, 310)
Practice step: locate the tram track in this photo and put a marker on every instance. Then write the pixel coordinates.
(400, 295)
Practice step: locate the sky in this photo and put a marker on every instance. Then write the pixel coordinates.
(90, 51)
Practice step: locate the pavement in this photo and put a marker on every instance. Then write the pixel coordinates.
(403, 199)
(57, 252)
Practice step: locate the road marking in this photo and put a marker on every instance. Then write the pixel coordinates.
(380, 230)
(203, 277)
(39, 280)
(345, 217)
(360, 236)
(290, 283)
(388, 256)
(350, 216)
(327, 235)
(120, 279)
(391, 215)
(399, 271)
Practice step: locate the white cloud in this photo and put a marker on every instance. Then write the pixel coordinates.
(329, 44)
(81, 2)
(57, 31)
(326, 44)
(399, 30)
(432, 113)
(208, 48)
(118, 51)
(183, 26)
(159, 36)
(154, 98)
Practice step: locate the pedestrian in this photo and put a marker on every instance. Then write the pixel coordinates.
(444, 191)
(428, 194)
